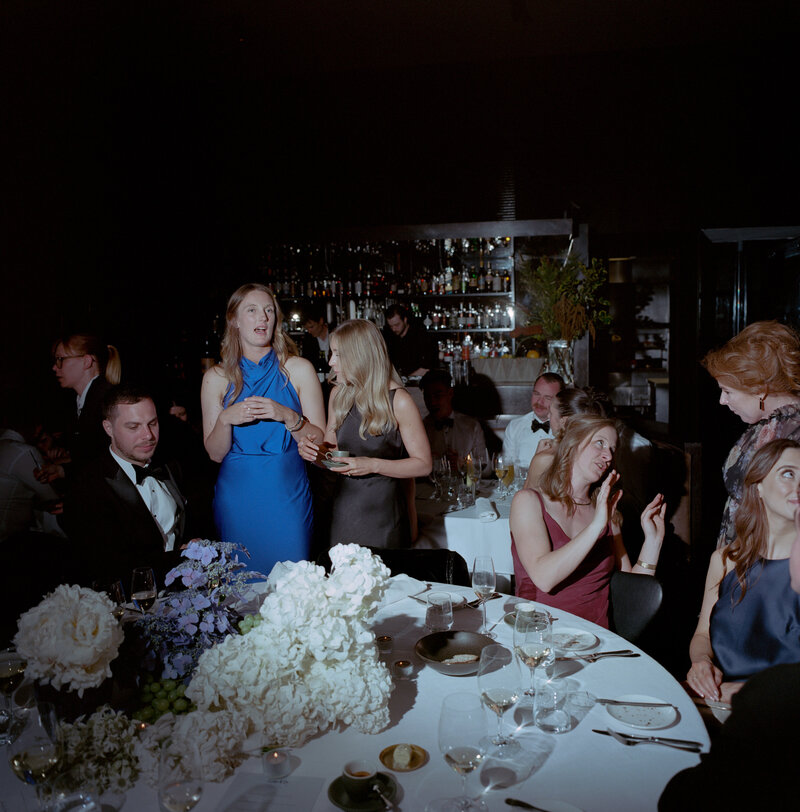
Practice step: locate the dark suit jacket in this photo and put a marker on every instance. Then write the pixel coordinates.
(87, 438)
(110, 528)
(309, 347)
(754, 758)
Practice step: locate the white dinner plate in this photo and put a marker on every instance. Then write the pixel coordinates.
(574, 639)
(642, 717)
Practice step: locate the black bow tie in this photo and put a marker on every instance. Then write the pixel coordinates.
(152, 470)
(537, 424)
(445, 422)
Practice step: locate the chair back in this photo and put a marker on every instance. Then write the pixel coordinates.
(442, 566)
(635, 601)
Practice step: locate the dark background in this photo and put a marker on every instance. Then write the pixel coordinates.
(152, 149)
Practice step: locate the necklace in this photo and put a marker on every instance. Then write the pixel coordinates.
(582, 504)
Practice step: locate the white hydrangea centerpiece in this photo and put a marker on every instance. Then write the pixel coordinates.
(70, 638)
(312, 662)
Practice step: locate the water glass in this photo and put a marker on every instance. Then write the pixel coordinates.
(143, 588)
(439, 615)
(180, 783)
(550, 708)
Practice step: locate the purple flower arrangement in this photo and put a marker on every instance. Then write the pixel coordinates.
(187, 622)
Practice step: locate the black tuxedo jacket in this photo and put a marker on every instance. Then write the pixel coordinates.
(87, 438)
(110, 528)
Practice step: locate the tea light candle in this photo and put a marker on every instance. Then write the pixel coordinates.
(384, 643)
(403, 669)
(275, 764)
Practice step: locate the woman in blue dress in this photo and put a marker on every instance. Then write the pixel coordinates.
(750, 618)
(257, 403)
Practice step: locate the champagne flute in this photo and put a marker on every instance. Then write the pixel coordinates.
(499, 681)
(484, 582)
(116, 592)
(462, 727)
(180, 783)
(35, 755)
(143, 588)
(533, 639)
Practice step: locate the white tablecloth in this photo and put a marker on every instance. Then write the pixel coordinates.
(591, 772)
(465, 533)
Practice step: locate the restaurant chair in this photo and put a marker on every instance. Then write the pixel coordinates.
(441, 566)
(635, 601)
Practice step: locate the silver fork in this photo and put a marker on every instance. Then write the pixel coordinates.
(630, 740)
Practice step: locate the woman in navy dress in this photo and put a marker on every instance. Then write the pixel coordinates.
(750, 618)
(257, 403)
(373, 417)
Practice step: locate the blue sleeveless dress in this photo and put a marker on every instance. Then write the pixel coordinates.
(262, 497)
(761, 631)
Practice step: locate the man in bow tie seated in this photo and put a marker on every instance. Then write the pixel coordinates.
(523, 434)
(124, 511)
(448, 432)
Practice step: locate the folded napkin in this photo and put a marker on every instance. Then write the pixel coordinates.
(401, 586)
(486, 510)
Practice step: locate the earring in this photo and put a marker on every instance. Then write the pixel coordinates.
(761, 403)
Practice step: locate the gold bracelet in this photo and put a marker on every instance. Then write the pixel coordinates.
(644, 566)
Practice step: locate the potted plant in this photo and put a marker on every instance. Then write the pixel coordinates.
(564, 304)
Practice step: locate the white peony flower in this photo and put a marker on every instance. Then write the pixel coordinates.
(312, 662)
(70, 638)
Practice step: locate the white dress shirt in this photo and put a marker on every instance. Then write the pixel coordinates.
(157, 499)
(464, 436)
(520, 442)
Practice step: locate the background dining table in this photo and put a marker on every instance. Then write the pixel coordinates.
(578, 769)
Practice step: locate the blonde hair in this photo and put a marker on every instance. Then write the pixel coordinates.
(751, 523)
(763, 359)
(231, 347)
(367, 375)
(556, 481)
(107, 357)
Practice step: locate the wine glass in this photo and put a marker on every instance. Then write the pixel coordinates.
(180, 782)
(143, 588)
(35, 755)
(504, 471)
(500, 684)
(439, 474)
(462, 727)
(116, 592)
(12, 671)
(484, 582)
(533, 639)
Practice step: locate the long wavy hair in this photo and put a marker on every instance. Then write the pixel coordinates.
(231, 347)
(763, 358)
(367, 375)
(556, 481)
(751, 523)
(106, 355)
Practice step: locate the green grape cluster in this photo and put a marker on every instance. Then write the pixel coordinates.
(162, 696)
(249, 622)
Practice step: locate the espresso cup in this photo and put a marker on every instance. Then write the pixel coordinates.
(336, 453)
(357, 779)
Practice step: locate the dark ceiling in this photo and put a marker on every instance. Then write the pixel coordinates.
(152, 149)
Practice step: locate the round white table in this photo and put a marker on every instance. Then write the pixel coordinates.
(580, 768)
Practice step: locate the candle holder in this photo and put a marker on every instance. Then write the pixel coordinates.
(275, 762)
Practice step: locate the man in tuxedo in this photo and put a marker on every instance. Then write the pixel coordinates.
(752, 761)
(523, 433)
(449, 432)
(316, 344)
(122, 511)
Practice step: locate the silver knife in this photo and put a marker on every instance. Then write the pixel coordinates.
(524, 805)
(653, 739)
(634, 704)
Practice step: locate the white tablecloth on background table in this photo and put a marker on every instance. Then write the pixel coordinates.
(592, 772)
(464, 532)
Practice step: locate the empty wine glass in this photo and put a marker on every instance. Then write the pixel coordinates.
(439, 474)
(12, 671)
(500, 684)
(533, 639)
(143, 588)
(116, 592)
(462, 728)
(484, 582)
(180, 781)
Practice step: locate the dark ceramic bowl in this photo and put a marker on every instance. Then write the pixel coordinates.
(434, 649)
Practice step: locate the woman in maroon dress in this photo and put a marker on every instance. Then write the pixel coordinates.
(565, 535)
